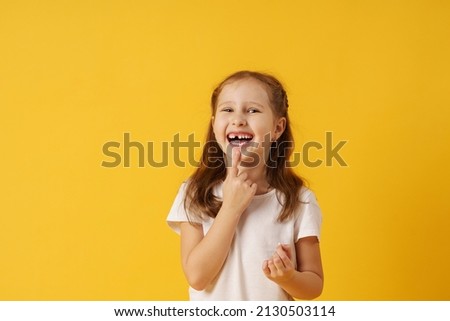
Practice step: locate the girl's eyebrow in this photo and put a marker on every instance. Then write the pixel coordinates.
(247, 102)
(255, 103)
(225, 103)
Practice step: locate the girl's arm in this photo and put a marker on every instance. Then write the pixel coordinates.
(306, 282)
(202, 256)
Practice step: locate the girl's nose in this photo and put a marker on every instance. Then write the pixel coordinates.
(239, 121)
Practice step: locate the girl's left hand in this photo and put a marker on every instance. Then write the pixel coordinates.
(280, 267)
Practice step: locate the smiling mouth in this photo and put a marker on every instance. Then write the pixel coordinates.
(239, 139)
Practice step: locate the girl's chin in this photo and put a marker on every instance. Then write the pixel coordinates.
(250, 161)
(250, 156)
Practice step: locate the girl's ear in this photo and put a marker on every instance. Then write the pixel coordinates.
(212, 125)
(280, 126)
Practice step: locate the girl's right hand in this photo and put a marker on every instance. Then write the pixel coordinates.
(238, 191)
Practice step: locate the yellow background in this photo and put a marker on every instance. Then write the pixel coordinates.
(77, 74)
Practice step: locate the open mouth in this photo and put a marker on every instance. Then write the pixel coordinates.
(239, 139)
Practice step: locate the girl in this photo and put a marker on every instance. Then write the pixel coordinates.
(249, 227)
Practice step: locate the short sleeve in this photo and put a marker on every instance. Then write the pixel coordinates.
(178, 212)
(309, 220)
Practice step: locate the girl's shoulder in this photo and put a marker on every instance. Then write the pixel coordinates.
(182, 187)
(306, 195)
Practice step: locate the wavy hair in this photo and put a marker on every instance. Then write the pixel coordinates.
(199, 198)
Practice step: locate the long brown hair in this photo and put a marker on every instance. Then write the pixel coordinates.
(199, 198)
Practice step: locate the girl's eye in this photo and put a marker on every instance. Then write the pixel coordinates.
(253, 110)
(227, 109)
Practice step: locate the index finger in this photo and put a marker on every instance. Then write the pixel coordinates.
(284, 248)
(235, 157)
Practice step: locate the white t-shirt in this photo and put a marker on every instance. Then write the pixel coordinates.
(257, 236)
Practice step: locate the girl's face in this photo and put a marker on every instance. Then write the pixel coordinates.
(244, 119)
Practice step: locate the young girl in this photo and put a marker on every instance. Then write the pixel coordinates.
(249, 227)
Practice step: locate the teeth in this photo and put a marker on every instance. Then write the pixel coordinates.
(241, 136)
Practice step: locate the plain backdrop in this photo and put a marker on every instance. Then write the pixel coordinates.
(75, 75)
